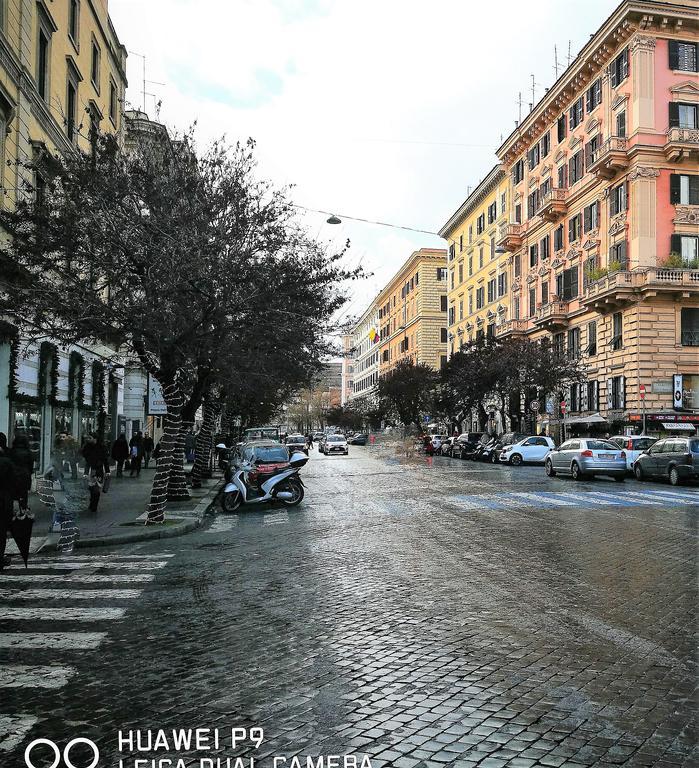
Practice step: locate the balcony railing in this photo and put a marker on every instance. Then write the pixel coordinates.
(680, 142)
(553, 314)
(610, 158)
(553, 204)
(618, 288)
(510, 237)
(510, 327)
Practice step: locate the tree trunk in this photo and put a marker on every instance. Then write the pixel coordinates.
(173, 419)
(204, 444)
(177, 483)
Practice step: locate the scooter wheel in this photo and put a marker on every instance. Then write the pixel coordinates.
(296, 488)
(231, 501)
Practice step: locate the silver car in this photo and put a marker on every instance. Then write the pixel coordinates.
(585, 457)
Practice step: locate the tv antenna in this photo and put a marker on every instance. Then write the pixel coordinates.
(144, 92)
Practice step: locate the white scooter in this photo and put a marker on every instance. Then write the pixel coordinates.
(284, 485)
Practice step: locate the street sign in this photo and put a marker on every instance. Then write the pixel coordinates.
(643, 391)
(563, 406)
(534, 405)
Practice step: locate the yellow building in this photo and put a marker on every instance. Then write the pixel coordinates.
(412, 312)
(478, 289)
(62, 75)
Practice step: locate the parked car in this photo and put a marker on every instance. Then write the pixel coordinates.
(447, 446)
(586, 457)
(359, 439)
(465, 444)
(532, 449)
(437, 441)
(676, 458)
(509, 438)
(633, 446)
(335, 444)
(296, 443)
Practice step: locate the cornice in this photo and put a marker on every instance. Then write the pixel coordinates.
(484, 188)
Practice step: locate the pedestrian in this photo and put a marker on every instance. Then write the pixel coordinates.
(157, 450)
(7, 487)
(147, 449)
(189, 445)
(136, 453)
(23, 460)
(97, 463)
(120, 452)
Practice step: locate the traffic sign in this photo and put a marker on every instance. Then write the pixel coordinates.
(563, 406)
(535, 405)
(643, 391)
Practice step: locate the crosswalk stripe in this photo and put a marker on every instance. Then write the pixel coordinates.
(76, 578)
(58, 641)
(609, 499)
(70, 565)
(638, 497)
(467, 501)
(98, 558)
(10, 613)
(577, 498)
(13, 729)
(27, 676)
(69, 594)
(544, 499)
(675, 495)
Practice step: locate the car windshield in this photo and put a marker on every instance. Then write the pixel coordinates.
(336, 439)
(271, 453)
(694, 446)
(601, 445)
(296, 439)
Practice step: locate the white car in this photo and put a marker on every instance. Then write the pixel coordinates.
(335, 444)
(532, 449)
(437, 441)
(633, 446)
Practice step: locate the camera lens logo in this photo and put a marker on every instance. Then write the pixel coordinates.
(66, 753)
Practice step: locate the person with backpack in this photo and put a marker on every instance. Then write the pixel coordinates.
(136, 454)
(120, 453)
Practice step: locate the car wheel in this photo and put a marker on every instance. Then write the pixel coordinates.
(620, 479)
(515, 459)
(550, 471)
(575, 471)
(638, 472)
(674, 476)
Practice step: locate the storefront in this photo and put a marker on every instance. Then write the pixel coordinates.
(666, 424)
(26, 419)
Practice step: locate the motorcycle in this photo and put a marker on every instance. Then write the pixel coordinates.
(488, 449)
(283, 484)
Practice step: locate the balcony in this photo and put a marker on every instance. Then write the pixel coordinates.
(552, 316)
(511, 236)
(681, 144)
(620, 289)
(553, 205)
(610, 158)
(511, 328)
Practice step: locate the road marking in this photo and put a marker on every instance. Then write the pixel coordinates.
(638, 497)
(675, 496)
(544, 498)
(13, 729)
(76, 578)
(71, 565)
(222, 524)
(25, 676)
(97, 558)
(69, 594)
(610, 499)
(582, 497)
(59, 641)
(467, 501)
(277, 518)
(8, 613)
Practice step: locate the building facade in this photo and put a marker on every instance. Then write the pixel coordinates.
(62, 78)
(365, 356)
(412, 312)
(347, 369)
(478, 278)
(603, 230)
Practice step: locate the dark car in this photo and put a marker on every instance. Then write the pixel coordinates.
(509, 438)
(465, 444)
(675, 458)
(358, 440)
(266, 455)
(296, 443)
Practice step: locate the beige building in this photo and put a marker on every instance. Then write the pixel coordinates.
(412, 312)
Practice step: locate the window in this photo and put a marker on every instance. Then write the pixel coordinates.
(492, 212)
(533, 255)
(618, 255)
(689, 327)
(443, 335)
(452, 315)
(491, 290)
(544, 248)
(490, 330)
(480, 298)
(576, 167)
(470, 302)
(470, 234)
(683, 115)
(417, 278)
(545, 292)
(518, 213)
(687, 246)
(461, 272)
(574, 228)
(470, 265)
(621, 125)
(451, 279)
(561, 128)
(590, 266)
(591, 348)
(441, 274)
(615, 393)
(532, 302)
(517, 265)
(563, 176)
(619, 69)
(591, 217)
(533, 202)
(71, 110)
(443, 303)
(502, 284)
(503, 202)
(617, 200)
(683, 56)
(558, 243)
(575, 114)
(559, 344)
(545, 144)
(591, 150)
(518, 171)
(567, 284)
(684, 189)
(73, 16)
(452, 252)
(480, 258)
(594, 95)
(592, 395)
(533, 156)
(492, 248)
(480, 224)
(574, 343)
(112, 102)
(573, 396)
(461, 309)
(617, 340)
(95, 66)
(42, 67)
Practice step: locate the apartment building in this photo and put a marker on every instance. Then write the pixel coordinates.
(412, 312)
(603, 230)
(347, 369)
(365, 355)
(478, 280)
(62, 77)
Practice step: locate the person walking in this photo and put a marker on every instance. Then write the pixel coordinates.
(97, 463)
(120, 452)
(23, 460)
(136, 453)
(189, 444)
(147, 449)
(7, 487)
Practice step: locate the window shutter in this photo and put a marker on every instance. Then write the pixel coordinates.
(588, 219)
(674, 188)
(622, 392)
(625, 64)
(674, 50)
(588, 100)
(694, 190)
(609, 394)
(676, 244)
(570, 231)
(588, 154)
(583, 397)
(621, 255)
(674, 114)
(559, 286)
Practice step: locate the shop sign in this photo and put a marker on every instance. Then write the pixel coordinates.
(156, 399)
(661, 387)
(677, 390)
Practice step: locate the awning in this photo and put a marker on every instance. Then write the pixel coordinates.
(593, 418)
(678, 426)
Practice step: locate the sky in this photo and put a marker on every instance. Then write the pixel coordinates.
(388, 110)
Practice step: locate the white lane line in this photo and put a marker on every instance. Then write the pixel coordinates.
(72, 565)
(55, 641)
(97, 558)
(26, 676)
(9, 613)
(543, 500)
(13, 729)
(69, 594)
(12, 577)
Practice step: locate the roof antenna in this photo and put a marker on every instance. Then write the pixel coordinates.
(555, 60)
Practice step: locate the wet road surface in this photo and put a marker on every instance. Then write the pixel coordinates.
(418, 612)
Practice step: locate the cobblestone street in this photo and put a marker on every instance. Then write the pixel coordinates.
(423, 612)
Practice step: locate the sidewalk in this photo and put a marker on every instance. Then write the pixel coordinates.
(120, 516)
